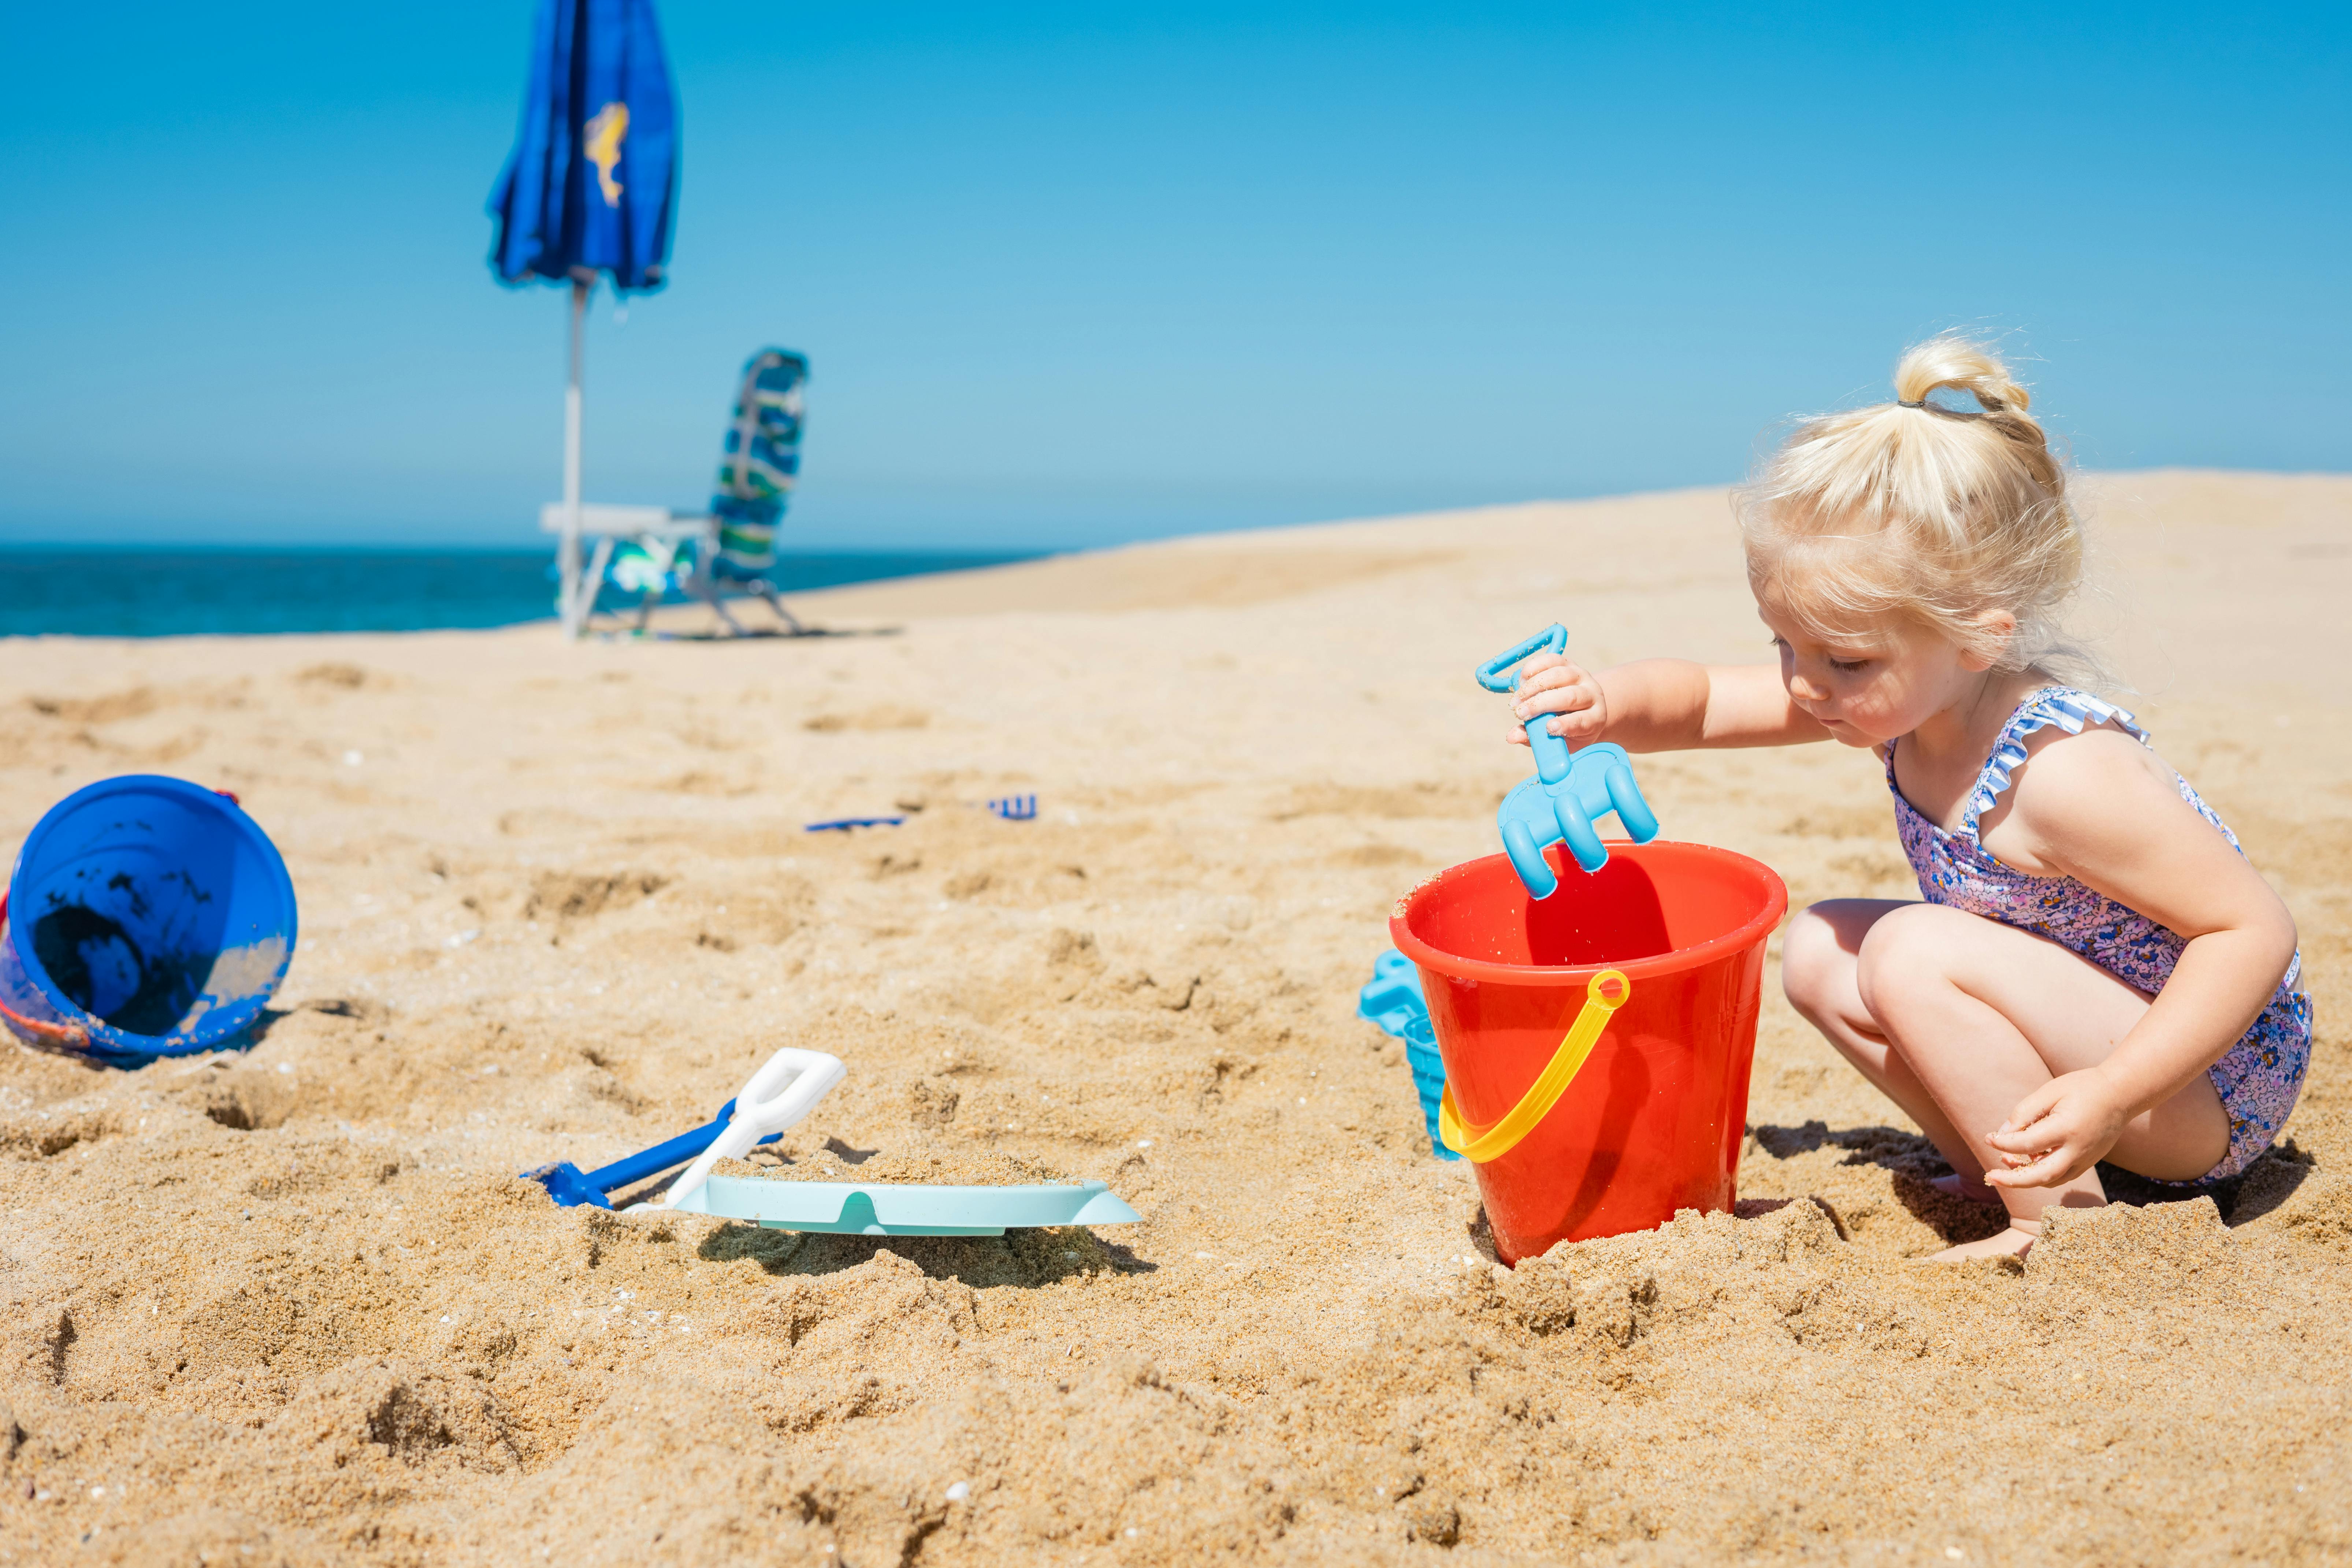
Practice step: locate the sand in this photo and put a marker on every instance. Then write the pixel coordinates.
(291, 1305)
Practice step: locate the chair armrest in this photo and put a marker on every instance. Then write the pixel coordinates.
(631, 521)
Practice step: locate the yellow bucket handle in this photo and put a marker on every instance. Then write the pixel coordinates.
(1485, 1144)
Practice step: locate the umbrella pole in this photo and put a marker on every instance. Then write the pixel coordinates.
(568, 562)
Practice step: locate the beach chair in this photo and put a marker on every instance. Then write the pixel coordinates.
(654, 556)
(756, 474)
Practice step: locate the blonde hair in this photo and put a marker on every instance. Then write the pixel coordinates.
(1943, 516)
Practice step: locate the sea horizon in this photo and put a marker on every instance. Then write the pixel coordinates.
(122, 590)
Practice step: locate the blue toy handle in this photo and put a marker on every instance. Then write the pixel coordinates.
(1553, 758)
(1496, 675)
(567, 1185)
(662, 1156)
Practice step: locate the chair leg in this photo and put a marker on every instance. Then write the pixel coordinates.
(592, 580)
(719, 607)
(776, 603)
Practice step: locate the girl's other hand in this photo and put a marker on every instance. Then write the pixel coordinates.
(1551, 683)
(2059, 1131)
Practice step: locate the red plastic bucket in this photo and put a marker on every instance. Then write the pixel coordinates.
(1652, 1122)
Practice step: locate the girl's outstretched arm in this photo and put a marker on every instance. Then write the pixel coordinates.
(1660, 704)
(2103, 809)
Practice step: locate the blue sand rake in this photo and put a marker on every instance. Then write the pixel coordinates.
(784, 1090)
(1010, 809)
(1570, 789)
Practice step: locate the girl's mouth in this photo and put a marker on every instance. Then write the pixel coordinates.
(1843, 729)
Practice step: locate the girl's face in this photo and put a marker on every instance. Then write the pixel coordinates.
(1871, 684)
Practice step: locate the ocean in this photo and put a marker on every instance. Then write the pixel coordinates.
(179, 592)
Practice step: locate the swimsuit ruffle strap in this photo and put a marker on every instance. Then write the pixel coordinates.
(2064, 706)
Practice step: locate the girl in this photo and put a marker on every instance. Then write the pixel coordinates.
(2094, 972)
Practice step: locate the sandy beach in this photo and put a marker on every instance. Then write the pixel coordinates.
(292, 1305)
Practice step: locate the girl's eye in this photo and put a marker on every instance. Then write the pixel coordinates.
(1847, 666)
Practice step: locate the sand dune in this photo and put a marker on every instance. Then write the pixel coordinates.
(291, 1305)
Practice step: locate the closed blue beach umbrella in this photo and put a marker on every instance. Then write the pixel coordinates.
(590, 187)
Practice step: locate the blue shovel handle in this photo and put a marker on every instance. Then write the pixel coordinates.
(1496, 675)
(568, 1186)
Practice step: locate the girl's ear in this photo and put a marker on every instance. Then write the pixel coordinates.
(1984, 651)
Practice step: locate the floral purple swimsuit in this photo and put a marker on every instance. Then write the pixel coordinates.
(2260, 1077)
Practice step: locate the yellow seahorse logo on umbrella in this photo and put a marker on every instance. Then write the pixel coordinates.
(602, 136)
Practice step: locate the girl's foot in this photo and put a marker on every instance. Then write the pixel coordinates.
(1959, 1186)
(2015, 1242)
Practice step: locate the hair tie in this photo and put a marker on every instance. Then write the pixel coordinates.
(1900, 403)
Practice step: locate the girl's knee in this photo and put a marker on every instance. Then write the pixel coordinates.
(1813, 962)
(1903, 950)
(1817, 953)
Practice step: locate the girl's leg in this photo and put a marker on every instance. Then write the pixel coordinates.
(1983, 1014)
(1821, 955)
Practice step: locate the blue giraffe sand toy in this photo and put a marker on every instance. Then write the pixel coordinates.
(1570, 789)
(1393, 998)
(1394, 1002)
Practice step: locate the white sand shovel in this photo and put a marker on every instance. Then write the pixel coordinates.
(785, 1089)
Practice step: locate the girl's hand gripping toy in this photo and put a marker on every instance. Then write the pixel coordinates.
(1570, 789)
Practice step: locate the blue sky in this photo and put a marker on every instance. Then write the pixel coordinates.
(1076, 274)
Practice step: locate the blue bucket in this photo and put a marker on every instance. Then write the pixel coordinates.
(145, 917)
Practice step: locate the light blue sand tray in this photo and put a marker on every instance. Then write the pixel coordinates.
(886, 1208)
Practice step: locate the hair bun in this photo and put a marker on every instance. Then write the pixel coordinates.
(1954, 359)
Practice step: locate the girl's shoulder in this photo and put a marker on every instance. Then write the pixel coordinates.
(2043, 717)
(2059, 756)
(2067, 757)
(2053, 713)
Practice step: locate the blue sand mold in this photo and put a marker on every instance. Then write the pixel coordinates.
(851, 1208)
(1394, 1001)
